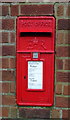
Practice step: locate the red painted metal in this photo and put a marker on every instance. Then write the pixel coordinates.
(35, 34)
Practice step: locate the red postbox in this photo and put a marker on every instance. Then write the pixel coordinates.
(35, 60)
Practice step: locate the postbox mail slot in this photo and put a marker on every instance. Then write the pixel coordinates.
(35, 34)
(35, 60)
(35, 41)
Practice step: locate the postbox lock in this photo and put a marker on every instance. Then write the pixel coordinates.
(24, 77)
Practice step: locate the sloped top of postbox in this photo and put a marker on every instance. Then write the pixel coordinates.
(35, 24)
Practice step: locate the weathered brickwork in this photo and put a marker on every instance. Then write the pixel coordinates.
(10, 11)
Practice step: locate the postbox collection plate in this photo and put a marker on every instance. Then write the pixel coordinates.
(35, 75)
(35, 60)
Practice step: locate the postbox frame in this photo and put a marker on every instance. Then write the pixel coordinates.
(20, 52)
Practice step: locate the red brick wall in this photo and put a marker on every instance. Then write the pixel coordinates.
(10, 11)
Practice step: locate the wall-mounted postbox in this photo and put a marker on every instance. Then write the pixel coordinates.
(35, 60)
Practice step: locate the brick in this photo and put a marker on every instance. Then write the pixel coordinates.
(0, 111)
(5, 111)
(66, 114)
(35, 1)
(58, 89)
(9, 1)
(14, 10)
(5, 10)
(59, 64)
(12, 63)
(5, 87)
(36, 9)
(67, 64)
(0, 9)
(10, 118)
(62, 51)
(8, 75)
(63, 76)
(8, 50)
(31, 113)
(67, 38)
(60, 10)
(8, 100)
(8, 24)
(60, 38)
(62, 102)
(0, 62)
(0, 24)
(4, 37)
(0, 37)
(12, 87)
(13, 112)
(64, 24)
(68, 10)
(5, 62)
(0, 75)
(12, 37)
(55, 113)
(0, 50)
(0, 99)
(66, 90)
(0, 87)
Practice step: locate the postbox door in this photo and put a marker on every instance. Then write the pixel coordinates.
(34, 96)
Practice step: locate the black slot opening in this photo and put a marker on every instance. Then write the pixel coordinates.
(35, 34)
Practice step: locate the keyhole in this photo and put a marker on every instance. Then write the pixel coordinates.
(24, 77)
